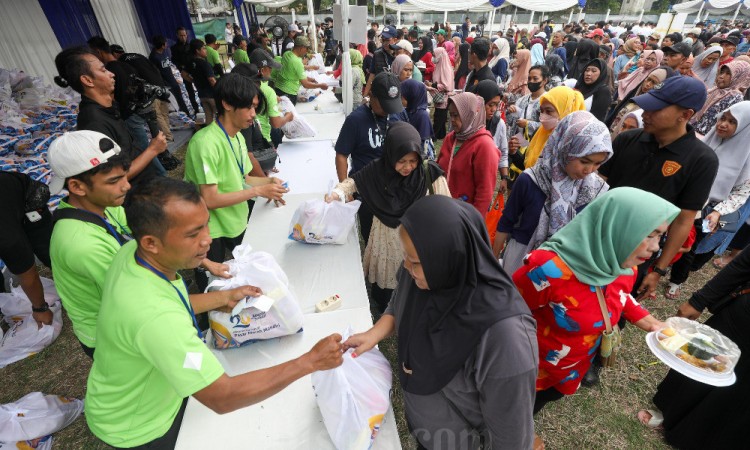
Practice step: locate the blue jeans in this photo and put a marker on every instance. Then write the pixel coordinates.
(137, 127)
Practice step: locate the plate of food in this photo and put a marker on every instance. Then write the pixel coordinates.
(695, 350)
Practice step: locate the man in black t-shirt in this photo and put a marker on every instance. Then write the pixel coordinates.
(181, 55)
(159, 57)
(666, 159)
(480, 48)
(203, 77)
(26, 234)
(383, 57)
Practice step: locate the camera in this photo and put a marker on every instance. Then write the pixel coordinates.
(141, 95)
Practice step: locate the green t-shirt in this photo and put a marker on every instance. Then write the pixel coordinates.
(211, 160)
(272, 110)
(148, 358)
(213, 58)
(291, 72)
(240, 56)
(416, 75)
(81, 253)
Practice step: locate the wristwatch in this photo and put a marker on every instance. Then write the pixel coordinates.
(505, 177)
(43, 308)
(662, 272)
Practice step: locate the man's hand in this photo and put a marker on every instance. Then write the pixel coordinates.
(216, 269)
(158, 144)
(713, 221)
(687, 311)
(272, 191)
(513, 145)
(503, 185)
(648, 285)
(326, 354)
(42, 317)
(522, 123)
(235, 295)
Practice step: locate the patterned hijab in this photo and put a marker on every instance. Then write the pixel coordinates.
(740, 71)
(577, 135)
(636, 78)
(708, 74)
(565, 100)
(471, 111)
(520, 77)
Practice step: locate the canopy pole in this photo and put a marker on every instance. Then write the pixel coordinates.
(492, 22)
(700, 10)
(236, 19)
(580, 14)
(384, 13)
(515, 10)
(640, 17)
(705, 18)
(531, 20)
(737, 11)
(200, 16)
(346, 76)
(398, 18)
(445, 17)
(294, 16)
(570, 17)
(311, 12)
(606, 18)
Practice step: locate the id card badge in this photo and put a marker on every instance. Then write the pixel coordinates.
(33, 216)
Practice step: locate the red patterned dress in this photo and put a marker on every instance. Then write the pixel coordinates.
(569, 319)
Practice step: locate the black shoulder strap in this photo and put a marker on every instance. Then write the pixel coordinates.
(84, 216)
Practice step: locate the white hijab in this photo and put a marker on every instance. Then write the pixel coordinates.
(504, 47)
(734, 157)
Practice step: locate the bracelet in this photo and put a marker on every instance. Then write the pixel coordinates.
(661, 272)
(505, 177)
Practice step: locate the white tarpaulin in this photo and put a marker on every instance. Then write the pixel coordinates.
(446, 5)
(27, 41)
(713, 6)
(120, 25)
(543, 5)
(407, 8)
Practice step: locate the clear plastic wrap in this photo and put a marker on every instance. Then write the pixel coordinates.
(699, 345)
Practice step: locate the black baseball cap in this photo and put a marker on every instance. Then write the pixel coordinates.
(262, 59)
(731, 39)
(686, 92)
(681, 47)
(387, 89)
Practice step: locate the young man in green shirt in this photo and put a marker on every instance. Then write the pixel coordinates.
(90, 224)
(240, 52)
(271, 117)
(151, 357)
(292, 72)
(212, 55)
(217, 162)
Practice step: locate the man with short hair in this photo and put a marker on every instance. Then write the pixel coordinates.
(240, 50)
(698, 45)
(217, 162)
(212, 55)
(415, 28)
(466, 27)
(203, 77)
(271, 118)
(160, 58)
(597, 35)
(181, 57)
(288, 42)
(364, 131)
(728, 46)
(383, 57)
(480, 48)
(676, 54)
(150, 353)
(292, 73)
(440, 37)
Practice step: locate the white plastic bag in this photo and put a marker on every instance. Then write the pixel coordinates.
(317, 60)
(275, 313)
(318, 222)
(25, 338)
(44, 443)
(354, 397)
(17, 303)
(36, 415)
(299, 127)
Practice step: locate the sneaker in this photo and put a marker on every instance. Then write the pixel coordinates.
(673, 291)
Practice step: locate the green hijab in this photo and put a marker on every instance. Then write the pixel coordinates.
(599, 239)
(356, 58)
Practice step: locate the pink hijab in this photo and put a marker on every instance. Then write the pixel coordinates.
(634, 79)
(443, 74)
(471, 111)
(740, 71)
(451, 49)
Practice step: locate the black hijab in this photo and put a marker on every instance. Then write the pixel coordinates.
(468, 293)
(585, 52)
(570, 50)
(587, 90)
(386, 192)
(463, 68)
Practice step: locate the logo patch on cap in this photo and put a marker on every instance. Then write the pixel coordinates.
(670, 168)
(393, 92)
(94, 162)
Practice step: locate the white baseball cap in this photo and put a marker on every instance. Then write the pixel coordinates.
(76, 152)
(294, 27)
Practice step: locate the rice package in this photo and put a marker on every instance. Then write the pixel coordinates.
(318, 222)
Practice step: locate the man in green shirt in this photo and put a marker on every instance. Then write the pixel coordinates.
(212, 55)
(292, 72)
(271, 116)
(217, 162)
(90, 224)
(240, 53)
(150, 355)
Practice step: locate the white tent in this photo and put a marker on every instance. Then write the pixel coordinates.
(543, 5)
(716, 7)
(481, 5)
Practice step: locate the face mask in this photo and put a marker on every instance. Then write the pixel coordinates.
(495, 52)
(548, 122)
(533, 87)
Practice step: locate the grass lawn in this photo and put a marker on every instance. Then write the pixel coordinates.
(598, 418)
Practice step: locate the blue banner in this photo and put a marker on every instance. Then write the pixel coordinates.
(497, 3)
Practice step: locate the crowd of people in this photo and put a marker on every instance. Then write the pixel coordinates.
(621, 155)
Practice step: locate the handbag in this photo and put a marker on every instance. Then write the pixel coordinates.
(611, 338)
(37, 196)
(438, 97)
(728, 222)
(494, 215)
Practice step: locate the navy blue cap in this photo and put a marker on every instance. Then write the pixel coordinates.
(686, 92)
(389, 32)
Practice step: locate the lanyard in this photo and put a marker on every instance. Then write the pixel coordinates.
(240, 165)
(121, 238)
(377, 124)
(187, 306)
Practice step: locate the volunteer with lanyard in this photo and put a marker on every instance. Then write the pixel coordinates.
(90, 224)
(217, 162)
(150, 355)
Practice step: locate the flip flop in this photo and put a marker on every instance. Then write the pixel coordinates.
(652, 418)
(719, 262)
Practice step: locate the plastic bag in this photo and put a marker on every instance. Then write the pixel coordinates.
(318, 222)
(699, 345)
(317, 60)
(299, 127)
(36, 415)
(44, 443)
(275, 313)
(25, 338)
(354, 397)
(17, 304)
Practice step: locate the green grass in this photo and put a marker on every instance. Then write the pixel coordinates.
(598, 418)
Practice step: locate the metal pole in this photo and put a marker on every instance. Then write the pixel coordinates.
(445, 17)
(606, 18)
(515, 10)
(570, 17)
(580, 14)
(311, 12)
(737, 11)
(700, 10)
(398, 17)
(531, 20)
(492, 22)
(640, 18)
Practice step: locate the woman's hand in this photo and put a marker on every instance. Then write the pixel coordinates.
(522, 123)
(512, 109)
(687, 311)
(713, 221)
(513, 145)
(361, 342)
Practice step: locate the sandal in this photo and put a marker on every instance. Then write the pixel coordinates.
(652, 418)
(720, 262)
(672, 292)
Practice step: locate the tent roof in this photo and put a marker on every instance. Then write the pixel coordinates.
(483, 5)
(713, 6)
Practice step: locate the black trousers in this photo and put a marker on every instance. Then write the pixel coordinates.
(365, 221)
(439, 119)
(546, 396)
(178, 97)
(380, 297)
(741, 239)
(169, 440)
(191, 96)
(292, 98)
